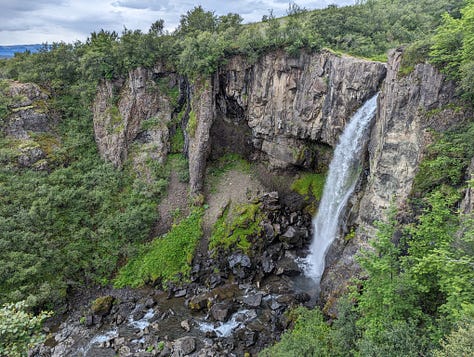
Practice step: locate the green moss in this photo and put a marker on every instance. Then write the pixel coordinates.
(310, 185)
(177, 142)
(102, 305)
(115, 119)
(167, 258)
(234, 227)
(150, 123)
(192, 124)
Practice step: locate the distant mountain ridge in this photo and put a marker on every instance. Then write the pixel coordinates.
(9, 51)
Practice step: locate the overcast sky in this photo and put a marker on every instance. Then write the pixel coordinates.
(39, 21)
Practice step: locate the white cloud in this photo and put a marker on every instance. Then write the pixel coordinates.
(38, 21)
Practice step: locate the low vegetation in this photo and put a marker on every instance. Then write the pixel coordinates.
(310, 186)
(167, 258)
(234, 228)
(19, 329)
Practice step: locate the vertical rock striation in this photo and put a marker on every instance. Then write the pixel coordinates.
(409, 106)
(288, 102)
(134, 110)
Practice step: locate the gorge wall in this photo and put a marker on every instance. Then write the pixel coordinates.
(288, 113)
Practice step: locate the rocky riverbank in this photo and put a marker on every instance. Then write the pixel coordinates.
(233, 305)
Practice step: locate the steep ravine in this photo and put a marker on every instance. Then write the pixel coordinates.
(285, 113)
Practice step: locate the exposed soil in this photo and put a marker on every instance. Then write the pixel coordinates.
(174, 206)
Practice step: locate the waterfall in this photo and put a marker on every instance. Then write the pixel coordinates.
(342, 177)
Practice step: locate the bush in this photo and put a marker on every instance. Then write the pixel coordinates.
(309, 337)
(19, 330)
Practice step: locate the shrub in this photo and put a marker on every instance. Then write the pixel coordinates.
(19, 330)
(309, 337)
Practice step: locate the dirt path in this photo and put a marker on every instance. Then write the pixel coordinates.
(175, 203)
(233, 187)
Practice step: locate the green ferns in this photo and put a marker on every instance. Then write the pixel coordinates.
(167, 258)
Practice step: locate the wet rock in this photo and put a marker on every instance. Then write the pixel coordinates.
(124, 351)
(253, 300)
(149, 303)
(198, 302)
(275, 305)
(267, 263)
(180, 293)
(183, 346)
(240, 264)
(269, 231)
(288, 267)
(89, 320)
(293, 236)
(221, 311)
(239, 259)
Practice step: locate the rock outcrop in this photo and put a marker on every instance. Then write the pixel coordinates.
(28, 125)
(409, 106)
(134, 112)
(201, 118)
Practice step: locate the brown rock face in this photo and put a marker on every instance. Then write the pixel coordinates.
(288, 102)
(285, 110)
(133, 111)
(200, 121)
(408, 107)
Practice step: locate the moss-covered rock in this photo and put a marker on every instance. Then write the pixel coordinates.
(102, 305)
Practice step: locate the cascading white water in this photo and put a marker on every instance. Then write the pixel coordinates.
(343, 173)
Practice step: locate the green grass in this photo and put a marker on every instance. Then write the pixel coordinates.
(177, 142)
(167, 258)
(231, 231)
(310, 185)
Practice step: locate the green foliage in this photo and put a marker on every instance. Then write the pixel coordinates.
(371, 27)
(459, 342)
(310, 185)
(446, 159)
(234, 228)
(4, 100)
(167, 258)
(150, 123)
(19, 329)
(177, 142)
(453, 49)
(192, 124)
(309, 337)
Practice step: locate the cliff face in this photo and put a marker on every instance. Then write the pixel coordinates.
(134, 112)
(28, 126)
(288, 102)
(287, 112)
(408, 108)
(283, 110)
